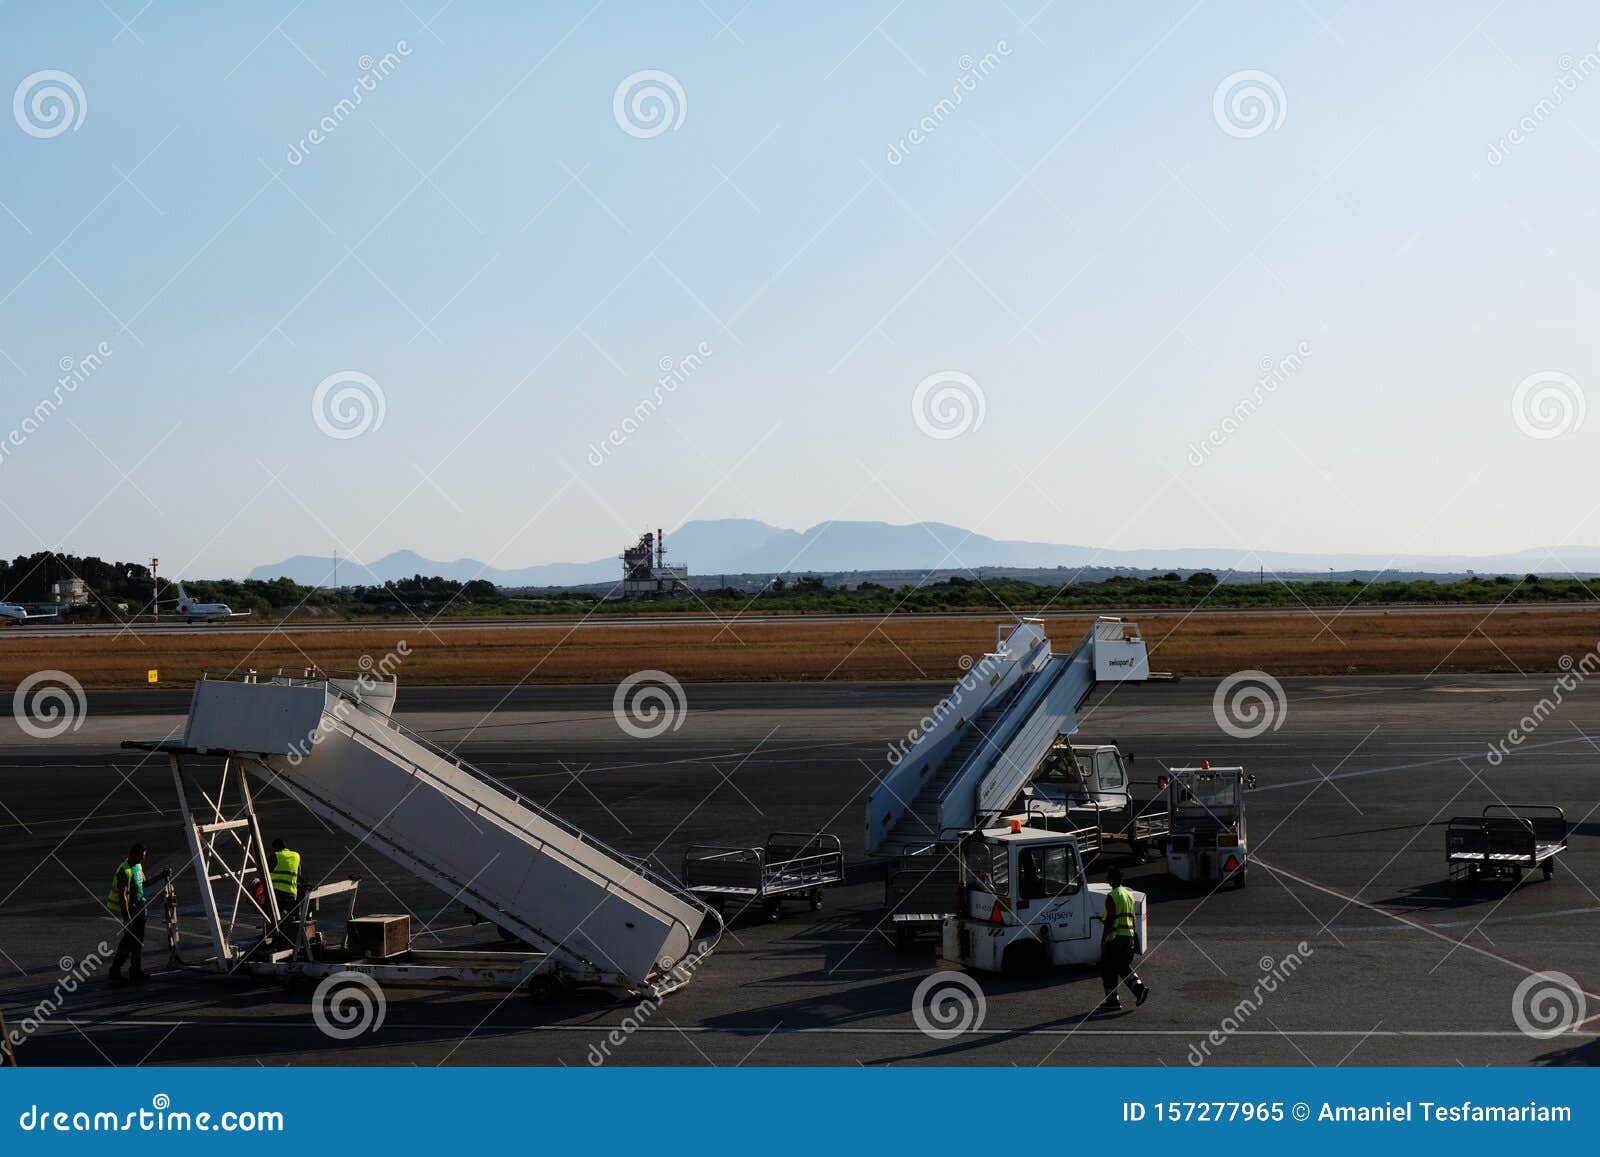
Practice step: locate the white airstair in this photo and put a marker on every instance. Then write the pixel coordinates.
(974, 753)
(591, 914)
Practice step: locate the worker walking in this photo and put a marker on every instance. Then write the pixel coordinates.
(126, 901)
(1118, 946)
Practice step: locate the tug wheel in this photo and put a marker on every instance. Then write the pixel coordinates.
(544, 988)
(1024, 958)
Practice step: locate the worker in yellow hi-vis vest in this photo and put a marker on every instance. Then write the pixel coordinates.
(285, 875)
(126, 901)
(1119, 945)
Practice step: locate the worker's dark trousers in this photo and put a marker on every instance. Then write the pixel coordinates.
(131, 946)
(286, 929)
(1116, 965)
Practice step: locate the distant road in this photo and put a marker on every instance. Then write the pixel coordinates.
(601, 622)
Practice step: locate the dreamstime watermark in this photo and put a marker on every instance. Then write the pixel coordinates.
(347, 404)
(1574, 673)
(1274, 974)
(74, 373)
(947, 1004)
(976, 675)
(674, 373)
(161, 1117)
(1573, 73)
(48, 103)
(648, 103)
(1273, 375)
(372, 72)
(347, 1004)
(1249, 703)
(1548, 404)
(948, 404)
(49, 703)
(598, 1054)
(74, 974)
(973, 71)
(1547, 1004)
(1249, 103)
(648, 703)
(373, 671)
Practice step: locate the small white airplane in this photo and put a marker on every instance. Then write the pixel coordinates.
(14, 613)
(204, 612)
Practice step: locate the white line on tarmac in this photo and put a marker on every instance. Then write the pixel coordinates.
(1433, 930)
(1411, 766)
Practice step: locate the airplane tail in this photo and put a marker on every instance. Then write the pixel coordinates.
(182, 597)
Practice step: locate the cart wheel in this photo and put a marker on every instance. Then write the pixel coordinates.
(902, 938)
(1141, 853)
(1516, 876)
(1549, 869)
(816, 900)
(1238, 879)
(772, 909)
(544, 988)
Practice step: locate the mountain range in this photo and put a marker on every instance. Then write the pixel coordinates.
(734, 546)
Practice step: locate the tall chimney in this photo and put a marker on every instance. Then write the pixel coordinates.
(661, 548)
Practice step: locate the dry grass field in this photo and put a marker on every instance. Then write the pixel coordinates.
(1401, 642)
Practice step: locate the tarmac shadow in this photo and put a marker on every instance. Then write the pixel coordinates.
(1449, 895)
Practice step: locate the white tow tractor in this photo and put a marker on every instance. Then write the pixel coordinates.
(1208, 842)
(1025, 902)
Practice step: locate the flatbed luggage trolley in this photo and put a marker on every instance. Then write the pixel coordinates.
(920, 891)
(789, 866)
(1505, 841)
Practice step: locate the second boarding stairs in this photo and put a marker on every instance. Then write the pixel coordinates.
(971, 756)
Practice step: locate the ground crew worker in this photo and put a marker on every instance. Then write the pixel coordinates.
(285, 875)
(1118, 945)
(126, 901)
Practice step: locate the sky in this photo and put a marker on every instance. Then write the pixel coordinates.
(1311, 277)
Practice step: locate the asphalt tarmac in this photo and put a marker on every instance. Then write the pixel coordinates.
(1392, 966)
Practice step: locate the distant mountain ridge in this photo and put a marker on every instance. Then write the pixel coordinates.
(748, 546)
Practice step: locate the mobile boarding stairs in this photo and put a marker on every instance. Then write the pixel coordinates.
(588, 914)
(979, 747)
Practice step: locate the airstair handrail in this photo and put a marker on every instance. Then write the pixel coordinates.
(1012, 719)
(637, 866)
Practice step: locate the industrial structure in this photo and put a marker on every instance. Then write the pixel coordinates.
(645, 573)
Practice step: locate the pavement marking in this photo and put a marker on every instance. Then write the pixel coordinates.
(1421, 926)
(1412, 766)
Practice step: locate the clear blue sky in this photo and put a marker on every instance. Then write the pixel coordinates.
(1081, 236)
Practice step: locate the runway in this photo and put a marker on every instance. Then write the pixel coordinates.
(1355, 787)
(266, 625)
